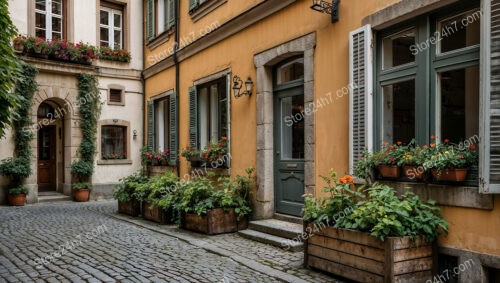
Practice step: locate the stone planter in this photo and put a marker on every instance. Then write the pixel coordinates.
(392, 172)
(450, 174)
(217, 221)
(132, 208)
(17, 200)
(361, 257)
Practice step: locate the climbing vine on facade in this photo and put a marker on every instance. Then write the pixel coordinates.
(90, 111)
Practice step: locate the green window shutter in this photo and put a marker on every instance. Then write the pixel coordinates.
(360, 98)
(193, 4)
(173, 130)
(150, 19)
(151, 124)
(193, 117)
(489, 130)
(170, 13)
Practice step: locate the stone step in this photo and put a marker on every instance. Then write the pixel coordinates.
(53, 198)
(288, 218)
(277, 228)
(280, 242)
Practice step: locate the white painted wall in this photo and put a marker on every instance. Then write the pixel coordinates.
(19, 14)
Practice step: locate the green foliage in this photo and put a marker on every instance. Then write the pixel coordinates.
(82, 169)
(82, 186)
(340, 197)
(158, 188)
(90, 111)
(20, 190)
(126, 190)
(383, 214)
(17, 168)
(9, 68)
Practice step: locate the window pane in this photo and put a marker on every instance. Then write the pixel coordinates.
(105, 34)
(104, 43)
(204, 116)
(118, 39)
(292, 136)
(162, 124)
(223, 119)
(397, 49)
(459, 104)
(40, 5)
(40, 21)
(291, 71)
(40, 33)
(104, 18)
(118, 21)
(113, 142)
(399, 112)
(460, 31)
(57, 7)
(56, 35)
(56, 24)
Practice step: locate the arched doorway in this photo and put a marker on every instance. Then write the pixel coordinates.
(50, 146)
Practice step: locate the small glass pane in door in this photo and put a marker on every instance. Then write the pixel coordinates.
(292, 135)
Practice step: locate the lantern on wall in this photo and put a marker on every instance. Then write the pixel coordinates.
(328, 7)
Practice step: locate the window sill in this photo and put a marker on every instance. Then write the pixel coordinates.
(205, 9)
(115, 162)
(447, 195)
(160, 39)
(205, 171)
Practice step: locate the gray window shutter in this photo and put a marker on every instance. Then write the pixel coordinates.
(193, 117)
(150, 19)
(173, 130)
(193, 4)
(170, 13)
(151, 124)
(361, 96)
(489, 130)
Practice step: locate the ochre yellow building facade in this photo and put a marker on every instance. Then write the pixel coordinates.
(238, 36)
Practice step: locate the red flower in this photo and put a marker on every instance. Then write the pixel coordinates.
(446, 140)
(472, 146)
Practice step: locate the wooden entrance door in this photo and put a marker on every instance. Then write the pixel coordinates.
(47, 159)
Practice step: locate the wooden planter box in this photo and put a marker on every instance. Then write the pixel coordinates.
(392, 172)
(364, 258)
(217, 221)
(157, 214)
(450, 175)
(132, 208)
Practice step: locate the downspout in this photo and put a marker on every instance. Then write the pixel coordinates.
(177, 80)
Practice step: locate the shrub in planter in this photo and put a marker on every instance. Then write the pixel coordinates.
(119, 55)
(412, 161)
(125, 194)
(451, 162)
(375, 241)
(17, 195)
(81, 191)
(215, 207)
(17, 168)
(152, 193)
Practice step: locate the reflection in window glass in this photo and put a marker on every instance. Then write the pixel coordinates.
(292, 136)
(113, 142)
(212, 111)
(162, 124)
(459, 104)
(460, 31)
(291, 71)
(399, 112)
(396, 49)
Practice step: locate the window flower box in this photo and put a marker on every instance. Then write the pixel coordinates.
(450, 174)
(387, 171)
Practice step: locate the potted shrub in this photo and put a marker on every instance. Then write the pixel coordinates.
(81, 191)
(152, 193)
(376, 238)
(387, 159)
(192, 155)
(451, 162)
(82, 170)
(412, 161)
(17, 195)
(118, 55)
(19, 43)
(125, 194)
(215, 207)
(214, 152)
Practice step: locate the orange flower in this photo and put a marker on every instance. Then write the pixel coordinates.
(425, 147)
(223, 138)
(386, 143)
(391, 147)
(399, 143)
(343, 181)
(433, 145)
(433, 137)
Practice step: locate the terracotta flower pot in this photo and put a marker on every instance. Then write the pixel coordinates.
(414, 172)
(17, 200)
(19, 47)
(81, 195)
(450, 174)
(389, 171)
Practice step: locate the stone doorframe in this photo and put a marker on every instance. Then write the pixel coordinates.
(264, 200)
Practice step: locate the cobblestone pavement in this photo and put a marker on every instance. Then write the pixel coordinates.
(86, 243)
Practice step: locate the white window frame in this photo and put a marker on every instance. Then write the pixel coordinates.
(48, 18)
(111, 27)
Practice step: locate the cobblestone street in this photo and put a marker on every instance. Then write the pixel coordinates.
(98, 247)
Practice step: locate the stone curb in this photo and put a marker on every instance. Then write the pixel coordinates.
(213, 249)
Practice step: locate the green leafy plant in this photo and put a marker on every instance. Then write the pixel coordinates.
(147, 155)
(120, 55)
(20, 190)
(82, 169)
(364, 167)
(161, 188)
(126, 190)
(189, 153)
(215, 150)
(81, 186)
(17, 168)
(448, 155)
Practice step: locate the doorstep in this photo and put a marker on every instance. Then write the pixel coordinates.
(46, 197)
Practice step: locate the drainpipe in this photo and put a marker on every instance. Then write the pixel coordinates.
(177, 80)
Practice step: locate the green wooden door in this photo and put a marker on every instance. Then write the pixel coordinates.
(289, 149)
